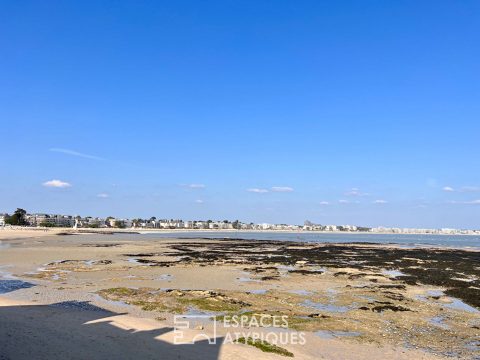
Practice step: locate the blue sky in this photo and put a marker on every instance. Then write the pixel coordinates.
(343, 112)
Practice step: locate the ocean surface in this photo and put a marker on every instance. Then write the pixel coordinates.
(408, 240)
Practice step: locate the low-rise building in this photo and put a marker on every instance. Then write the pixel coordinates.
(90, 222)
(50, 220)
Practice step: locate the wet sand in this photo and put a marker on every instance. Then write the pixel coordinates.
(351, 301)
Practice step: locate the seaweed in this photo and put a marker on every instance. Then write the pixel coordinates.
(265, 346)
(420, 265)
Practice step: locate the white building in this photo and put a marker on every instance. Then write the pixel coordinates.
(201, 225)
(331, 228)
(265, 226)
(91, 222)
(112, 222)
(50, 220)
(169, 224)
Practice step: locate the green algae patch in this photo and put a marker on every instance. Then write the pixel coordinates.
(211, 304)
(119, 291)
(265, 346)
(174, 301)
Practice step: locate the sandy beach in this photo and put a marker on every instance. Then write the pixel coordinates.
(117, 296)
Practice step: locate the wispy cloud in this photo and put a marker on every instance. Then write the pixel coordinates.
(199, 201)
(345, 201)
(195, 186)
(470, 189)
(258, 191)
(103, 195)
(324, 203)
(471, 202)
(462, 189)
(380, 201)
(76, 153)
(355, 192)
(56, 184)
(281, 189)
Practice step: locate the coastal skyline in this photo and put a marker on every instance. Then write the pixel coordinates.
(360, 114)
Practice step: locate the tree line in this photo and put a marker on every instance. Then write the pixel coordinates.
(17, 218)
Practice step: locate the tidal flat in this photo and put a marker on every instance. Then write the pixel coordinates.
(367, 299)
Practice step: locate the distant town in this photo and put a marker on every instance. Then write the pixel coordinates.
(21, 218)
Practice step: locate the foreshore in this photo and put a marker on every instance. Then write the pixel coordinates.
(351, 301)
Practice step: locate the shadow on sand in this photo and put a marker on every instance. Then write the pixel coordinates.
(7, 286)
(64, 331)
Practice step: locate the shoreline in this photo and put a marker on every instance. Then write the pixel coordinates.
(21, 233)
(167, 231)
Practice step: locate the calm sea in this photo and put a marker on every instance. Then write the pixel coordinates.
(457, 241)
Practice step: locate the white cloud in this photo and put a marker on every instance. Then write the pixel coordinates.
(343, 201)
(324, 203)
(355, 192)
(196, 186)
(76, 153)
(281, 189)
(103, 196)
(380, 201)
(448, 189)
(199, 201)
(56, 184)
(258, 191)
(272, 189)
